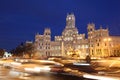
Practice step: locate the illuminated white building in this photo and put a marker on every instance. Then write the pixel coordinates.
(98, 41)
(43, 43)
(70, 43)
(115, 47)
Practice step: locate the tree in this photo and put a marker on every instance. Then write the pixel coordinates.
(24, 49)
(18, 51)
(29, 48)
(2, 51)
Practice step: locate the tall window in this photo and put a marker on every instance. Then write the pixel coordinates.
(97, 44)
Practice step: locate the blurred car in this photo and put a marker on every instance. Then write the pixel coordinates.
(6, 62)
(38, 66)
(108, 69)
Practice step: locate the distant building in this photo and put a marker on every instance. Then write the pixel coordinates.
(7, 55)
(98, 44)
(28, 42)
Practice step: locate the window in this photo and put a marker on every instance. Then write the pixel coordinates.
(40, 47)
(92, 52)
(91, 45)
(98, 44)
(99, 40)
(86, 46)
(105, 44)
(48, 47)
(90, 29)
(68, 38)
(96, 40)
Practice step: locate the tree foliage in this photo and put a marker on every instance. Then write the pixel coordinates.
(2, 51)
(23, 49)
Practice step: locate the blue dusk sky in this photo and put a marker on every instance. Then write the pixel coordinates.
(20, 20)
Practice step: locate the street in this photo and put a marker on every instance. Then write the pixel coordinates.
(7, 74)
(107, 69)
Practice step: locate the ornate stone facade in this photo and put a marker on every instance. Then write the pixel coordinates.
(43, 43)
(101, 44)
(98, 47)
(115, 47)
(71, 43)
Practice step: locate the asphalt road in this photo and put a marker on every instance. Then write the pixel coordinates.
(8, 74)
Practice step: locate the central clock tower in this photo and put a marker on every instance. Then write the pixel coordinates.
(70, 21)
(70, 28)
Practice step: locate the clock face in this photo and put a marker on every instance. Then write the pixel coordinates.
(69, 18)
